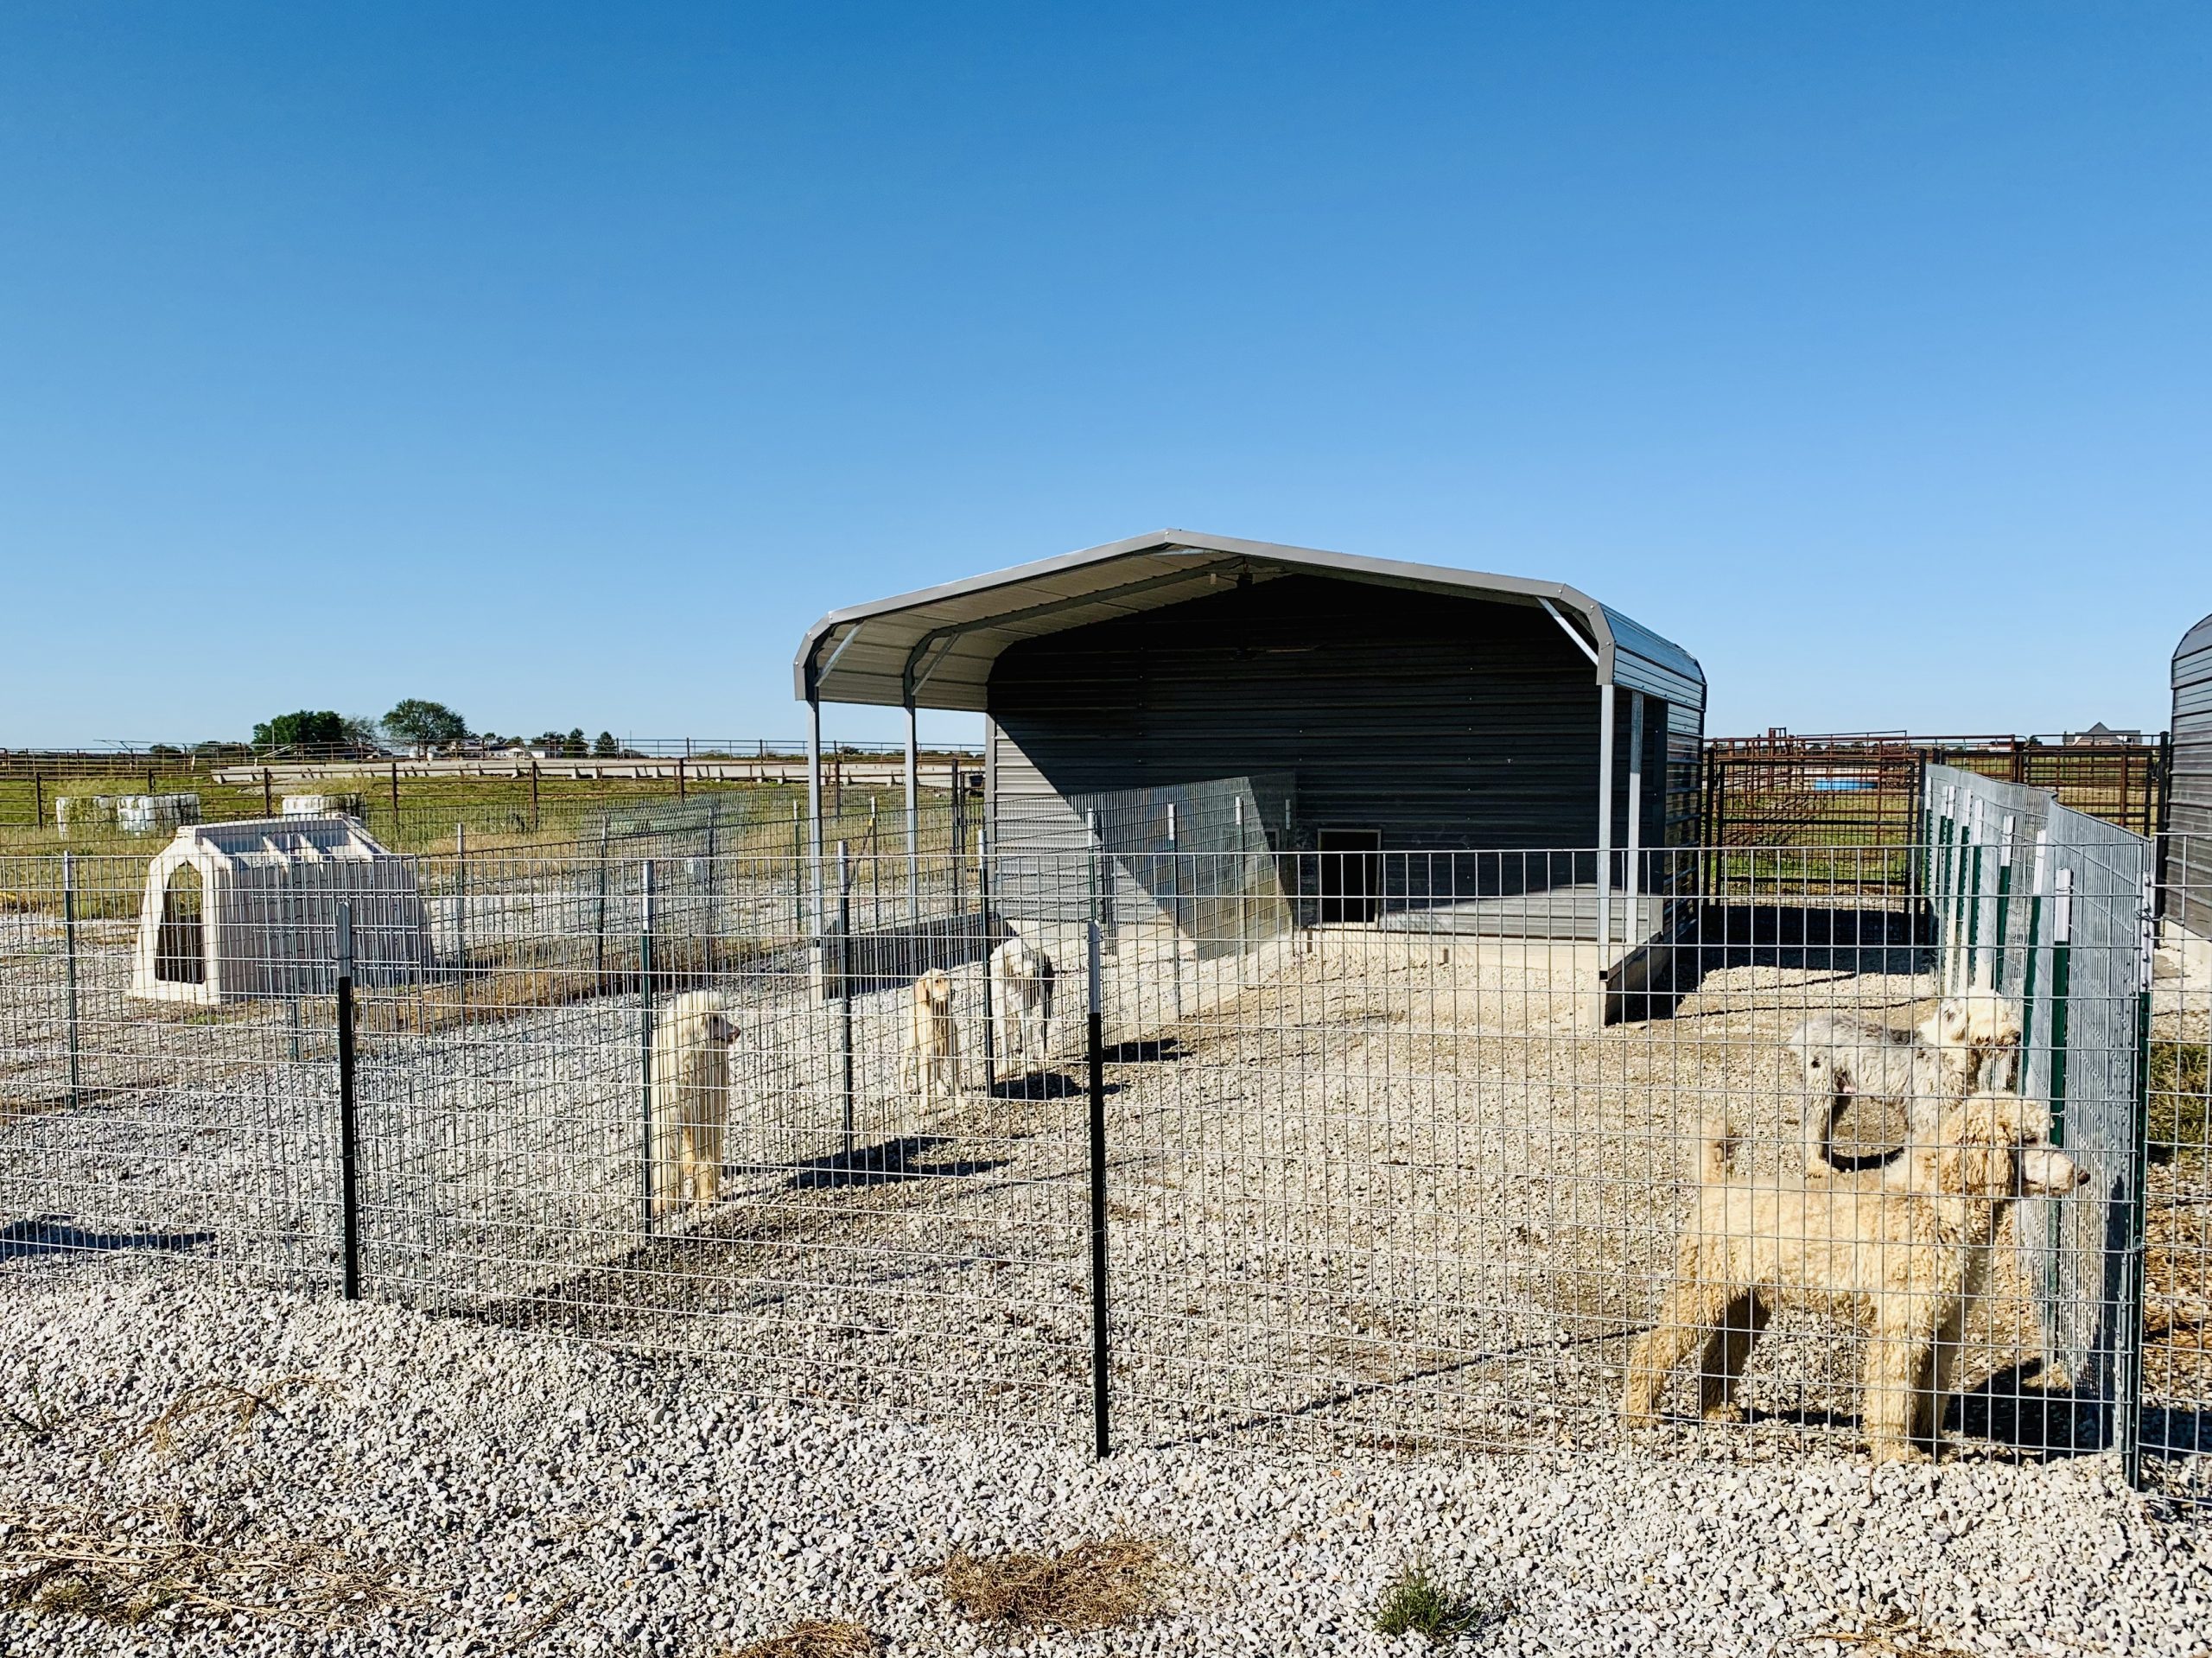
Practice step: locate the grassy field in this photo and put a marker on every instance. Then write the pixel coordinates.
(497, 812)
(569, 818)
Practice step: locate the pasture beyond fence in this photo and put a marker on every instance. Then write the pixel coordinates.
(1302, 1150)
(122, 802)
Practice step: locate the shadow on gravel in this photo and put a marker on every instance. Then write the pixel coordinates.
(1655, 980)
(1167, 1051)
(1044, 1085)
(49, 1235)
(2009, 1411)
(894, 1159)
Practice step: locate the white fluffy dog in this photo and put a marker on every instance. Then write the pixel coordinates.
(1022, 975)
(690, 1096)
(932, 1039)
(1968, 1044)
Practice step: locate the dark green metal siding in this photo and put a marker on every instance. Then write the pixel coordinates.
(1444, 722)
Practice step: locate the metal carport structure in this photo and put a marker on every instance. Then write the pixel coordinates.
(937, 648)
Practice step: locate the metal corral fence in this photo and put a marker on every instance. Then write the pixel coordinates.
(1277, 1145)
(1784, 790)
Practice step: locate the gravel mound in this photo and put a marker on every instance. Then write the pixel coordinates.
(300, 1475)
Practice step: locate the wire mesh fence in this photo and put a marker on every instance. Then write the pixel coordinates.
(2177, 1236)
(1171, 1123)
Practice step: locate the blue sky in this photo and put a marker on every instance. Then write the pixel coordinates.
(562, 363)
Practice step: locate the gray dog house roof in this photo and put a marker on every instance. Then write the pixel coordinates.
(937, 646)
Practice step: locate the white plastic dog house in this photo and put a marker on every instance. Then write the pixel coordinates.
(240, 911)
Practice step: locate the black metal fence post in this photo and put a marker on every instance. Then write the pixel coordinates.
(69, 955)
(1101, 1345)
(712, 954)
(645, 1050)
(349, 1180)
(959, 807)
(842, 965)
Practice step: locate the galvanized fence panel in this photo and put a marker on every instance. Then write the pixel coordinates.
(2177, 1243)
(163, 1128)
(1403, 1177)
(2047, 908)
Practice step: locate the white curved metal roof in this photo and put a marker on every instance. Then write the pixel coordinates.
(936, 647)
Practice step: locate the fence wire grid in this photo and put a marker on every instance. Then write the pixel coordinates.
(1370, 1149)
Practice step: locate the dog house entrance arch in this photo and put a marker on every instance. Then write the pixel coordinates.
(1488, 711)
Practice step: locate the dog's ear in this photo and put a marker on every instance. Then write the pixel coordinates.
(1974, 1169)
(2007, 1119)
(1945, 1026)
(2031, 1119)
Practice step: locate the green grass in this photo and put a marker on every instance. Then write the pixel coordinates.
(499, 816)
(2180, 1101)
(1418, 1602)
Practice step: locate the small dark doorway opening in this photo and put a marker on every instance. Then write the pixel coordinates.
(1351, 874)
(180, 948)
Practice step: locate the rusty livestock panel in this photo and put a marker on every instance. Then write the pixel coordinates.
(1789, 791)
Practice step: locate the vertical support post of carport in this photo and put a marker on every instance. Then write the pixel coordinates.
(914, 817)
(1604, 829)
(1632, 876)
(1604, 793)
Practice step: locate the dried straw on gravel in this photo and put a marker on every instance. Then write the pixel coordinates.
(1096, 1585)
(126, 1566)
(817, 1637)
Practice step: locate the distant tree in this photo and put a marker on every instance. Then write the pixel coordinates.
(575, 747)
(420, 724)
(361, 731)
(299, 730)
(606, 746)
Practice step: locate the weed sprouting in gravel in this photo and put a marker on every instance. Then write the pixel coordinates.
(817, 1637)
(1419, 1603)
(230, 1409)
(1094, 1585)
(33, 1423)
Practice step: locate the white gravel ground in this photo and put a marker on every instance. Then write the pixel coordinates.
(526, 1494)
